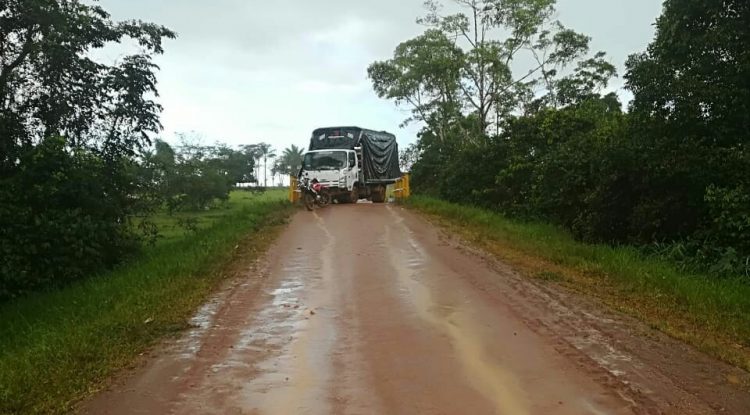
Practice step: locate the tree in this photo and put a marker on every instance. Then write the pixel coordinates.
(408, 157)
(70, 132)
(290, 161)
(264, 151)
(424, 73)
(193, 176)
(457, 66)
(254, 151)
(694, 73)
(586, 82)
(236, 165)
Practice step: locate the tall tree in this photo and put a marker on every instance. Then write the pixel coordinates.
(50, 87)
(253, 151)
(424, 74)
(695, 72)
(70, 131)
(460, 64)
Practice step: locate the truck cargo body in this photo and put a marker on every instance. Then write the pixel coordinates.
(353, 162)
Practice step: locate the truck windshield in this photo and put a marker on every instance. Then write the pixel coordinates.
(325, 160)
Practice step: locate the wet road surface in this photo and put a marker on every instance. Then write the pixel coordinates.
(368, 309)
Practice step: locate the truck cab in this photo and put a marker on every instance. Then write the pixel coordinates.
(337, 169)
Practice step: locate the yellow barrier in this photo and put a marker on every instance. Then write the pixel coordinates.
(294, 193)
(403, 189)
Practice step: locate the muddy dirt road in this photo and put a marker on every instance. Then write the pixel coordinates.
(368, 309)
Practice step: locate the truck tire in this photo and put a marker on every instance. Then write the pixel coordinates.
(378, 196)
(351, 197)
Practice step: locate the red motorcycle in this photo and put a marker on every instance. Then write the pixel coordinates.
(314, 193)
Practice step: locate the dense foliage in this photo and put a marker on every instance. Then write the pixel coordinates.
(70, 129)
(671, 174)
(80, 172)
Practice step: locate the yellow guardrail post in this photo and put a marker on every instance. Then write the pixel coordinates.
(402, 188)
(294, 194)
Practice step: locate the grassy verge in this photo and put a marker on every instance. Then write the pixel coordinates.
(58, 347)
(712, 314)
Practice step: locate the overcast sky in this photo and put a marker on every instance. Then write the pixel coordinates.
(245, 71)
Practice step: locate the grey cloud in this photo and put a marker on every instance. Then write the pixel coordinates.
(283, 67)
(261, 26)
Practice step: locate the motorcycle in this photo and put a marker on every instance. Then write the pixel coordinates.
(314, 193)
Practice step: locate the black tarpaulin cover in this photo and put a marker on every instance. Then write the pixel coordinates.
(379, 149)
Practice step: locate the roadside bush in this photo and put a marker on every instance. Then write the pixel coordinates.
(58, 220)
(604, 176)
(475, 164)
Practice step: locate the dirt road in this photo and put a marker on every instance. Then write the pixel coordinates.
(368, 309)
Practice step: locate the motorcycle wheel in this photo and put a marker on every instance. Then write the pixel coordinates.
(309, 201)
(325, 199)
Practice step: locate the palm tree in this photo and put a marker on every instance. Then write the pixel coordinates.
(265, 151)
(290, 161)
(277, 171)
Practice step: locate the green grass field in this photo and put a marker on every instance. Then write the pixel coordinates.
(708, 312)
(172, 227)
(58, 347)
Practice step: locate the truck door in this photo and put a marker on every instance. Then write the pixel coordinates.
(352, 174)
(358, 161)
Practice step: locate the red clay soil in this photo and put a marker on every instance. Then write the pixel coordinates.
(368, 309)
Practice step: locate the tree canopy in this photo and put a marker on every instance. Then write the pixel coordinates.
(462, 65)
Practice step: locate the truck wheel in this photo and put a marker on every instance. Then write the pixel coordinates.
(353, 196)
(350, 197)
(378, 196)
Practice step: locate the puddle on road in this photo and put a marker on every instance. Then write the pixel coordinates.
(190, 344)
(286, 295)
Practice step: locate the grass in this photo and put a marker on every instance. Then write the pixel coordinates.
(710, 313)
(58, 347)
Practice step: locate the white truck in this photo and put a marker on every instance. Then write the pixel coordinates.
(354, 163)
